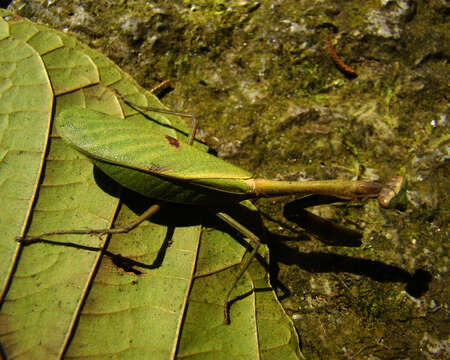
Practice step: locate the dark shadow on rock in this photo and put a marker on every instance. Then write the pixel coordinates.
(419, 283)
(320, 262)
(2, 353)
(326, 231)
(5, 3)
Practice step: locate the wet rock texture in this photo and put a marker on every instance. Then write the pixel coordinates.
(269, 97)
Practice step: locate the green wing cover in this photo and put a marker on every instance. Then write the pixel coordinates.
(120, 146)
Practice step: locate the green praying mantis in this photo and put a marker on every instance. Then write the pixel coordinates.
(147, 149)
(164, 168)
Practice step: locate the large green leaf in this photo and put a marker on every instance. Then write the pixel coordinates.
(25, 123)
(32, 326)
(130, 296)
(259, 330)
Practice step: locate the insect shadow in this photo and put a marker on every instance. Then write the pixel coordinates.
(329, 233)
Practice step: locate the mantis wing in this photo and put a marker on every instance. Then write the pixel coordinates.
(154, 165)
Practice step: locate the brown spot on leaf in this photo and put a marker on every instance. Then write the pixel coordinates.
(172, 141)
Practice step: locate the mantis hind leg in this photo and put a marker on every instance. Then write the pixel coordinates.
(244, 264)
(147, 214)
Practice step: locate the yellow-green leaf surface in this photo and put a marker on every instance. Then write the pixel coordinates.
(138, 315)
(259, 328)
(129, 296)
(24, 126)
(31, 325)
(4, 29)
